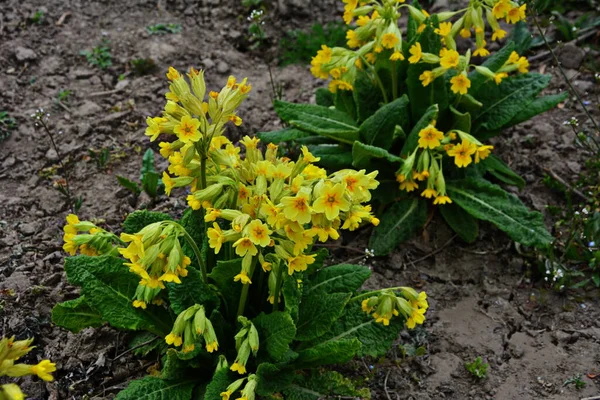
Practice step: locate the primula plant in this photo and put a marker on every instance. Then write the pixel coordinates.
(233, 296)
(420, 110)
(10, 351)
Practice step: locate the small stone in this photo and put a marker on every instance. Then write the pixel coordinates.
(571, 56)
(208, 63)
(87, 108)
(52, 280)
(28, 229)
(574, 167)
(235, 35)
(23, 54)
(9, 162)
(18, 281)
(222, 67)
(584, 86)
(82, 73)
(51, 155)
(122, 84)
(84, 129)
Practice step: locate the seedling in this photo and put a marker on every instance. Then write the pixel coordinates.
(99, 56)
(149, 177)
(63, 95)
(143, 66)
(101, 157)
(37, 17)
(161, 29)
(477, 368)
(576, 380)
(7, 124)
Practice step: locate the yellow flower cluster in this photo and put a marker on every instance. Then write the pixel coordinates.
(246, 342)
(277, 208)
(189, 326)
(10, 351)
(433, 144)
(386, 305)
(155, 255)
(377, 34)
(87, 238)
(248, 392)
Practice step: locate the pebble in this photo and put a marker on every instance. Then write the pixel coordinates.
(28, 229)
(222, 67)
(87, 108)
(51, 155)
(122, 84)
(208, 63)
(9, 162)
(571, 56)
(23, 54)
(81, 73)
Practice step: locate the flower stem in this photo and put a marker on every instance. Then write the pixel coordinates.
(394, 80)
(245, 289)
(196, 250)
(377, 79)
(367, 294)
(278, 284)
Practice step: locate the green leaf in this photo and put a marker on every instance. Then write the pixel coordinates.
(363, 155)
(317, 312)
(129, 185)
(501, 103)
(376, 339)
(378, 130)
(191, 291)
(521, 37)
(489, 202)
(319, 120)
(153, 388)
(108, 288)
(147, 164)
(537, 106)
(341, 278)
(412, 140)
(502, 172)
(76, 315)
(291, 296)
(344, 101)
(220, 380)
(271, 379)
(398, 223)
(494, 63)
(283, 135)
(333, 156)
(461, 121)
(321, 384)
(150, 183)
(140, 218)
(461, 222)
(173, 368)
(367, 96)
(193, 223)
(331, 352)
(143, 343)
(276, 331)
(223, 275)
(324, 97)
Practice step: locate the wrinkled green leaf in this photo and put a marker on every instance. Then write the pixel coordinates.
(460, 121)
(143, 343)
(220, 380)
(222, 275)
(398, 223)
(331, 352)
(150, 183)
(333, 156)
(324, 97)
(502, 172)
(489, 202)
(344, 101)
(191, 291)
(367, 96)
(378, 129)
(521, 37)
(283, 135)
(291, 295)
(461, 222)
(76, 315)
(153, 388)
(129, 185)
(147, 164)
(276, 331)
(363, 155)
(271, 379)
(321, 384)
(537, 106)
(318, 310)
(341, 278)
(140, 218)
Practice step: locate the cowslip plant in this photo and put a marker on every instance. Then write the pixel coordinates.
(149, 177)
(10, 351)
(232, 296)
(420, 111)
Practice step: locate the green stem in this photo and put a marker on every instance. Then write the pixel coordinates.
(377, 79)
(197, 253)
(278, 284)
(394, 80)
(368, 294)
(245, 289)
(202, 171)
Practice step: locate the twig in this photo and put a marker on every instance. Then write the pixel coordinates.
(135, 348)
(433, 253)
(565, 183)
(591, 398)
(104, 93)
(589, 32)
(385, 384)
(562, 71)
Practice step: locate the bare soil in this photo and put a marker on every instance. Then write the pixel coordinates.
(483, 300)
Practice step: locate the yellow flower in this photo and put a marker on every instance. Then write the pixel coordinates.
(444, 29)
(241, 369)
(69, 246)
(296, 208)
(216, 238)
(174, 339)
(389, 40)
(450, 59)
(242, 276)
(516, 14)
(43, 370)
(187, 130)
(140, 304)
(353, 40)
(416, 52)
(331, 201)
(460, 84)
(483, 152)
(384, 319)
(465, 33)
(173, 74)
(429, 193)
(397, 56)
(513, 58)
(481, 51)
(500, 9)
(442, 200)
(244, 245)
(499, 76)
(250, 143)
(259, 233)
(426, 78)
(498, 34)
(237, 121)
(462, 153)
(210, 347)
(170, 277)
(226, 395)
(409, 185)
(11, 391)
(168, 182)
(523, 65)
(300, 263)
(430, 137)
(417, 317)
(188, 348)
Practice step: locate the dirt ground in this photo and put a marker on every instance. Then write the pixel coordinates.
(483, 302)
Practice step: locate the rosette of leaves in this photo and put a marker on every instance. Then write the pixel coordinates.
(356, 128)
(318, 322)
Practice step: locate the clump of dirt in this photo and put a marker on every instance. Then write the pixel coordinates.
(481, 304)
